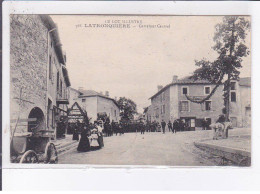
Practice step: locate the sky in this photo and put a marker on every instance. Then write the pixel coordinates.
(132, 62)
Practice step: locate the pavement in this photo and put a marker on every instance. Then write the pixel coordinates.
(191, 148)
(65, 144)
(149, 149)
(237, 148)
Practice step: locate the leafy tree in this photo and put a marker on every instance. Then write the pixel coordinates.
(230, 45)
(127, 108)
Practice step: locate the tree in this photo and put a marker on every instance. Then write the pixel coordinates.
(127, 108)
(230, 45)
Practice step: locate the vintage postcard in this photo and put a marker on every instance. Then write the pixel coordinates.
(147, 90)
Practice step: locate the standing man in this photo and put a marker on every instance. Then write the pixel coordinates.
(181, 125)
(163, 125)
(170, 126)
(175, 126)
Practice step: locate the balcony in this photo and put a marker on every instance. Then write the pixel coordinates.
(62, 99)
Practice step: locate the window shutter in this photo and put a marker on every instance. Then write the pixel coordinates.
(203, 108)
(180, 108)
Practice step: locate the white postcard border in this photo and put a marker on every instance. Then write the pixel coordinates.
(238, 176)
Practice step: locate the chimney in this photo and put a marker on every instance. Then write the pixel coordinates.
(107, 93)
(159, 87)
(174, 79)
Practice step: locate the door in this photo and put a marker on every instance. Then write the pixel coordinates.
(189, 123)
(248, 117)
(233, 121)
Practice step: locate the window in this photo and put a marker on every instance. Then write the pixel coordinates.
(157, 113)
(184, 106)
(53, 117)
(207, 90)
(83, 100)
(61, 88)
(163, 96)
(233, 97)
(115, 113)
(49, 113)
(58, 81)
(50, 68)
(233, 85)
(192, 123)
(184, 90)
(208, 105)
(162, 109)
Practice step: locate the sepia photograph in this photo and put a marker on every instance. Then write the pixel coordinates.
(120, 90)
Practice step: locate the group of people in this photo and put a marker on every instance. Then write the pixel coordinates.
(177, 125)
(86, 132)
(112, 128)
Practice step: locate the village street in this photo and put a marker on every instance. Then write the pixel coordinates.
(148, 149)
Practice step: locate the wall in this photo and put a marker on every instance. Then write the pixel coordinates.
(108, 106)
(237, 109)
(149, 114)
(73, 96)
(174, 103)
(198, 110)
(28, 64)
(156, 107)
(90, 105)
(245, 96)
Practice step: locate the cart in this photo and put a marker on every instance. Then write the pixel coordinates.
(30, 147)
(32, 144)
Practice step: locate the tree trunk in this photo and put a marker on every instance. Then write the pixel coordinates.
(229, 75)
(228, 102)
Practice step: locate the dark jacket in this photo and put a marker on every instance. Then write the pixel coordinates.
(163, 124)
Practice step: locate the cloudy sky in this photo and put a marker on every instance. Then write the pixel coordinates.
(131, 62)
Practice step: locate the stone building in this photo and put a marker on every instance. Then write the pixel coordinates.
(170, 103)
(97, 104)
(38, 74)
(240, 102)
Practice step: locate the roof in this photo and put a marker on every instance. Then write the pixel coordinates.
(245, 81)
(185, 80)
(75, 90)
(92, 93)
(50, 25)
(66, 75)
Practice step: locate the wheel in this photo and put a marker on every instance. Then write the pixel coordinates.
(51, 154)
(29, 157)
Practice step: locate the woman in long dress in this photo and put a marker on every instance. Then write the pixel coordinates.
(75, 134)
(100, 136)
(84, 144)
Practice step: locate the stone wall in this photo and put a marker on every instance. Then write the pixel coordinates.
(174, 102)
(198, 110)
(245, 96)
(28, 64)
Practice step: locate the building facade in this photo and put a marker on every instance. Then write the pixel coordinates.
(97, 104)
(39, 78)
(240, 102)
(170, 103)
